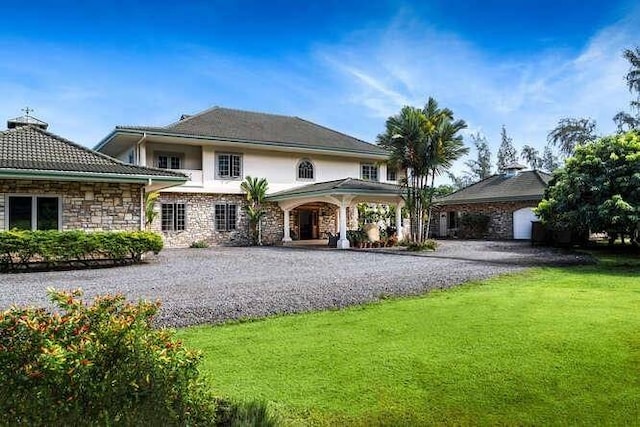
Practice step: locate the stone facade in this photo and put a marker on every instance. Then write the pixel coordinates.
(200, 221)
(90, 206)
(500, 216)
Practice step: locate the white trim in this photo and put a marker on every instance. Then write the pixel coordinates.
(34, 212)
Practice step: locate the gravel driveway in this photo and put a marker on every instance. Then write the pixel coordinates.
(218, 284)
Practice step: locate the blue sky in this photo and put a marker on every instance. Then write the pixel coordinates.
(88, 66)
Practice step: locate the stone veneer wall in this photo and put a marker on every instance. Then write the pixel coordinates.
(200, 217)
(85, 205)
(326, 219)
(500, 214)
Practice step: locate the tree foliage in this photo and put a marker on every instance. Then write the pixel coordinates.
(507, 153)
(571, 132)
(598, 189)
(255, 190)
(531, 156)
(550, 161)
(626, 121)
(424, 142)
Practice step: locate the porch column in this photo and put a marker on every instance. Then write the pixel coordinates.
(343, 243)
(399, 221)
(287, 236)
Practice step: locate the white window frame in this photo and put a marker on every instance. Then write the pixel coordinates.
(371, 167)
(174, 217)
(313, 170)
(230, 176)
(34, 212)
(227, 224)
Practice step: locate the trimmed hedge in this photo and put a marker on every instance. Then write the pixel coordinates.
(27, 250)
(97, 364)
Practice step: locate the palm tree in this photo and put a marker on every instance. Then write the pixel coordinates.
(256, 192)
(150, 213)
(406, 139)
(446, 146)
(425, 143)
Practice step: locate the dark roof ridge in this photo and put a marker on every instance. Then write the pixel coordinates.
(336, 131)
(217, 107)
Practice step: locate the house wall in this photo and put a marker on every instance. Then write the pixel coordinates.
(85, 206)
(278, 167)
(500, 214)
(200, 221)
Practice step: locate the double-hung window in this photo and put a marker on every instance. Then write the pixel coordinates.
(369, 172)
(229, 166)
(33, 212)
(226, 216)
(173, 216)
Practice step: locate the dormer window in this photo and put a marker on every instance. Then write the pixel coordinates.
(305, 170)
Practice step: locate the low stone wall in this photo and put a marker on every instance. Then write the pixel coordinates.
(500, 214)
(90, 206)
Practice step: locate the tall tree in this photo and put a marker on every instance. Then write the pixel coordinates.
(531, 156)
(507, 153)
(550, 161)
(571, 132)
(626, 121)
(255, 190)
(476, 169)
(424, 142)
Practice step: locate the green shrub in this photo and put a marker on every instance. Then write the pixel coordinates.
(21, 250)
(96, 364)
(427, 245)
(199, 244)
(242, 414)
(473, 225)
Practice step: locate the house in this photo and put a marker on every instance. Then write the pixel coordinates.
(507, 200)
(316, 175)
(48, 182)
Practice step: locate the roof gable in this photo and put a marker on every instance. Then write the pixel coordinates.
(526, 185)
(29, 148)
(247, 126)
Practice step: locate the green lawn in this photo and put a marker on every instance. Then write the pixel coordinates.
(548, 346)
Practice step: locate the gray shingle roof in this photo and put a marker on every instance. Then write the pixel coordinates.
(28, 148)
(341, 186)
(237, 125)
(526, 185)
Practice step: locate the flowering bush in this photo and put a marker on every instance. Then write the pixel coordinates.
(96, 364)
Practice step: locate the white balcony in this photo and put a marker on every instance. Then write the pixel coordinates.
(194, 177)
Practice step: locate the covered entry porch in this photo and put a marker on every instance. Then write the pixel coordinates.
(343, 195)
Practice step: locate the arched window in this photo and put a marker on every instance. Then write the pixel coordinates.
(305, 170)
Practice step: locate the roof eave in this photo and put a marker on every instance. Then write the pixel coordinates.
(257, 144)
(330, 192)
(6, 173)
(490, 200)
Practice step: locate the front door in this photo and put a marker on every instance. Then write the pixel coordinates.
(309, 224)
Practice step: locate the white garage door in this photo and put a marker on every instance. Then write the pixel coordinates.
(522, 223)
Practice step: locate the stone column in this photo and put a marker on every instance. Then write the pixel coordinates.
(343, 243)
(287, 236)
(399, 221)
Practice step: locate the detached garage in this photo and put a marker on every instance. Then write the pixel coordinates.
(506, 199)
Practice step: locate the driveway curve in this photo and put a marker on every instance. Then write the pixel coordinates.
(214, 285)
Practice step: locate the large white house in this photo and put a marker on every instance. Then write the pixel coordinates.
(316, 175)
